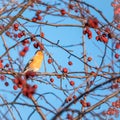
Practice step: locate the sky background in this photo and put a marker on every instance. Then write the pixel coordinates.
(66, 36)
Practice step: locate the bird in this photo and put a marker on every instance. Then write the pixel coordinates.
(35, 62)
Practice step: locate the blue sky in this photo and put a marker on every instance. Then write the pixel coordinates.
(66, 36)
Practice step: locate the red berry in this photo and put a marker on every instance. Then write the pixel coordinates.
(70, 63)
(35, 86)
(22, 53)
(116, 55)
(2, 77)
(76, 10)
(117, 46)
(98, 32)
(1, 65)
(50, 60)
(65, 70)
(16, 81)
(15, 87)
(63, 12)
(51, 80)
(40, 45)
(93, 22)
(42, 34)
(6, 83)
(15, 35)
(97, 38)
(16, 29)
(26, 48)
(38, 12)
(34, 19)
(16, 25)
(23, 32)
(89, 58)
(58, 76)
(24, 42)
(33, 38)
(74, 97)
(35, 45)
(107, 30)
(89, 36)
(7, 65)
(104, 39)
(72, 83)
(39, 17)
(23, 82)
(68, 99)
(19, 35)
(8, 33)
(88, 104)
(69, 117)
(84, 104)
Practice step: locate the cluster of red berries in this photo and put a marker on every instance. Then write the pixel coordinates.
(85, 104)
(69, 98)
(116, 104)
(15, 26)
(29, 90)
(19, 83)
(24, 51)
(19, 35)
(2, 77)
(25, 42)
(112, 111)
(88, 32)
(117, 46)
(38, 44)
(103, 38)
(38, 17)
(65, 71)
(92, 22)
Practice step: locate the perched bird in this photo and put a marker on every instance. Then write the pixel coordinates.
(35, 63)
